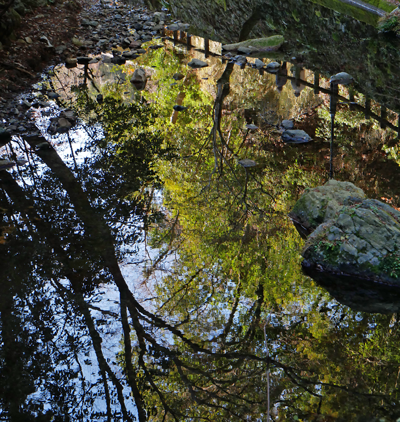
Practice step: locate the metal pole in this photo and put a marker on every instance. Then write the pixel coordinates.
(206, 47)
(332, 109)
(316, 83)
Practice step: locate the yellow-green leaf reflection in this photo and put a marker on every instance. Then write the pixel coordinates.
(232, 323)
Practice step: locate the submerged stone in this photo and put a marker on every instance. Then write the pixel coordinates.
(295, 136)
(196, 64)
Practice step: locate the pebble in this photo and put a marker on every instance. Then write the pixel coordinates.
(259, 64)
(196, 64)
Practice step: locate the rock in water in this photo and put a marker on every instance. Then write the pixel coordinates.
(178, 76)
(83, 60)
(240, 60)
(245, 50)
(287, 124)
(351, 236)
(179, 108)
(178, 27)
(246, 163)
(139, 79)
(259, 64)
(53, 95)
(5, 136)
(196, 64)
(312, 209)
(71, 61)
(341, 78)
(295, 136)
(118, 60)
(250, 126)
(6, 164)
(273, 67)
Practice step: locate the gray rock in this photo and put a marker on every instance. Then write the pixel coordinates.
(53, 95)
(287, 124)
(341, 78)
(357, 238)
(6, 164)
(250, 126)
(44, 39)
(240, 59)
(245, 50)
(273, 66)
(178, 76)
(246, 163)
(196, 64)
(87, 22)
(259, 64)
(139, 79)
(63, 125)
(130, 55)
(71, 61)
(347, 248)
(178, 27)
(260, 44)
(60, 49)
(295, 136)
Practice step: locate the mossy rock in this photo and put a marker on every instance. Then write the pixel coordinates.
(320, 204)
(349, 234)
(259, 44)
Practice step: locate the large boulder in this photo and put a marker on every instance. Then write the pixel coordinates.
(348, 236)
(322, 203)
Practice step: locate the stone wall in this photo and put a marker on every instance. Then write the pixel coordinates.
(326, 41)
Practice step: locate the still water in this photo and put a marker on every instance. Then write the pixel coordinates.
(149, 268)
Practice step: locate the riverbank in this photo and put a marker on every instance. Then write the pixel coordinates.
(52, 34)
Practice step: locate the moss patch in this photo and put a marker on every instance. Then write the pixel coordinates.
(390, 265)
(356, 12)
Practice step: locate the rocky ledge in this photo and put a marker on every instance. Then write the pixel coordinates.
(351, 240)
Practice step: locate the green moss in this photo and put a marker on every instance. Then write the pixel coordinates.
(329, 250)
(355, 12)
(390, 23)
(390, 265)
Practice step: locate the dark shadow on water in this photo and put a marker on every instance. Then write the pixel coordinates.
(359, 294)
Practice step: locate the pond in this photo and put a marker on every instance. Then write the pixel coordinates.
(150, 270)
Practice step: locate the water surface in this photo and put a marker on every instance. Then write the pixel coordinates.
(150, 272)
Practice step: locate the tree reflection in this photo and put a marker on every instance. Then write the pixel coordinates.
(229, 301)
